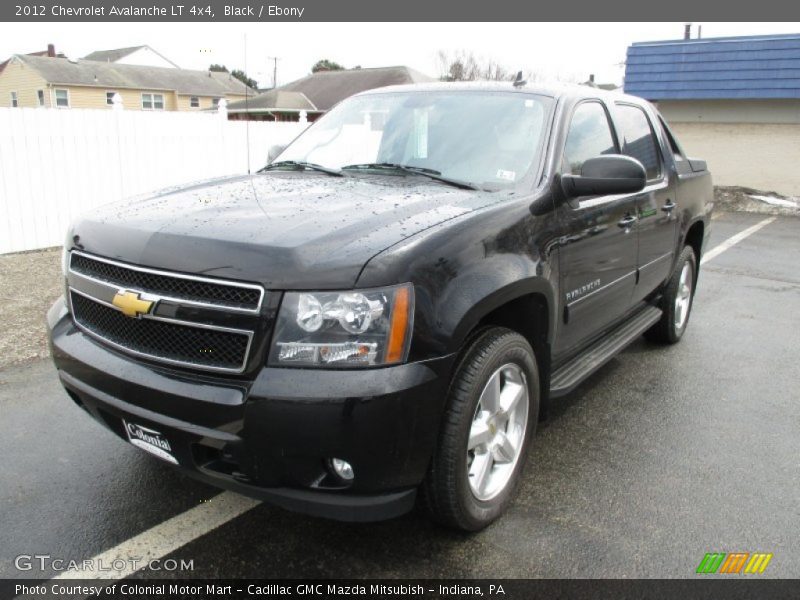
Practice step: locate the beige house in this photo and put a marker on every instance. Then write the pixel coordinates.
(53, 82)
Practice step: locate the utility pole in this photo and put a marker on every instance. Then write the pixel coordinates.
(274, 60)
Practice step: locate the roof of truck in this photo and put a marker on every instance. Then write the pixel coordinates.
(553, 90)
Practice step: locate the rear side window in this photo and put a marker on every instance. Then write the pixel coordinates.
(638, 140)
(673, 143)
(589, 136)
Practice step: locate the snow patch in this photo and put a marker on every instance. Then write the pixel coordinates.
(775, 201)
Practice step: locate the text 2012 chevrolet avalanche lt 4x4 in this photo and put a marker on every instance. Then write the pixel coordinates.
(387, 307)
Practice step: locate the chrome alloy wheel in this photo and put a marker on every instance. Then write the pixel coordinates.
(683, 299)
(497, 432)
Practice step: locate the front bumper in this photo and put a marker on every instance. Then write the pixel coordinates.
(271, 437)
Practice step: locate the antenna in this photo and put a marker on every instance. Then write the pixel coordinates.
(274, 60)
(246, 107)
(519, 81)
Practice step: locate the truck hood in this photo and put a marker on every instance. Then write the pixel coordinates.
(295, 230)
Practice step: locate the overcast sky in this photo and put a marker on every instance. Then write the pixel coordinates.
(564, 50)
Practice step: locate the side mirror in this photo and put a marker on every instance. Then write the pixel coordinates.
(274, 151)
(607, 174)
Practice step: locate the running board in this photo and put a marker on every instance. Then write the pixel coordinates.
(567, 377)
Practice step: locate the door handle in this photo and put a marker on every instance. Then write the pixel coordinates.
(627, 222)
(669, 206)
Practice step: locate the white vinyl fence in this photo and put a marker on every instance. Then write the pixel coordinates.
(56, 164)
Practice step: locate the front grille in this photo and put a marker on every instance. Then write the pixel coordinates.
(177, 286)
(184, 344)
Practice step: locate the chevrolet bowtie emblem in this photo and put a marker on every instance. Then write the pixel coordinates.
(131, 304)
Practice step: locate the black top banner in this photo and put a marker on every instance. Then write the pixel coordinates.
(387, 10)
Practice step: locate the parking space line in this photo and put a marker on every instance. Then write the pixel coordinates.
(735, 239)
(164, 538)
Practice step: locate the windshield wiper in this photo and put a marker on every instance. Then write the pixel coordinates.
(299, 164)
(431, 173)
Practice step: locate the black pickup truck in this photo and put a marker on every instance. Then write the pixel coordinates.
(388, 307)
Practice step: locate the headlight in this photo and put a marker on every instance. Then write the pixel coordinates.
(344, 329)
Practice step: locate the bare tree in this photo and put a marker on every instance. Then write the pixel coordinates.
(464, 66)
(545, 76)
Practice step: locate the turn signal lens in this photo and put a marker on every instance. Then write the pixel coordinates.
(399, 329)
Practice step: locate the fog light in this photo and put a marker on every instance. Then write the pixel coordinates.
(342, 468)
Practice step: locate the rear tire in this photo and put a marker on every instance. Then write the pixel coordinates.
(491, 416)
(676, 302)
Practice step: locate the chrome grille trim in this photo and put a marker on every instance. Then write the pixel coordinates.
(170, 361)
(100, 291)
(174, 275)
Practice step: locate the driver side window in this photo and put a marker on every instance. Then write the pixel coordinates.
(589, 136)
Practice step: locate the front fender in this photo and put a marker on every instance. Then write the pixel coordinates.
(464, 269)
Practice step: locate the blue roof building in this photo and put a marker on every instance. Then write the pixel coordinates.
(753, 67)
(734, 101)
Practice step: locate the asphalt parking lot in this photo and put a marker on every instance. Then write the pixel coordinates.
(665, 454)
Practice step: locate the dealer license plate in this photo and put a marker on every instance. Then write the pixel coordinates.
(150, 440)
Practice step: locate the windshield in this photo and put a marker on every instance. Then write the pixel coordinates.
(487, 139)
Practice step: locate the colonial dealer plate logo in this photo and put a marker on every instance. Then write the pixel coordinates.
(150, 440)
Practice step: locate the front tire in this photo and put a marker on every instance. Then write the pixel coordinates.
(676, 302)
(491, 416)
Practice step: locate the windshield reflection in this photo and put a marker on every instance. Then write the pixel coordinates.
(488, 139)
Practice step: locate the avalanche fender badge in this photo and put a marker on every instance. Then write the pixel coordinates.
(150, 440)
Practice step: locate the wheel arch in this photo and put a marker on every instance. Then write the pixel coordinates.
(694, 237)
(527, 307)
(509, 304)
